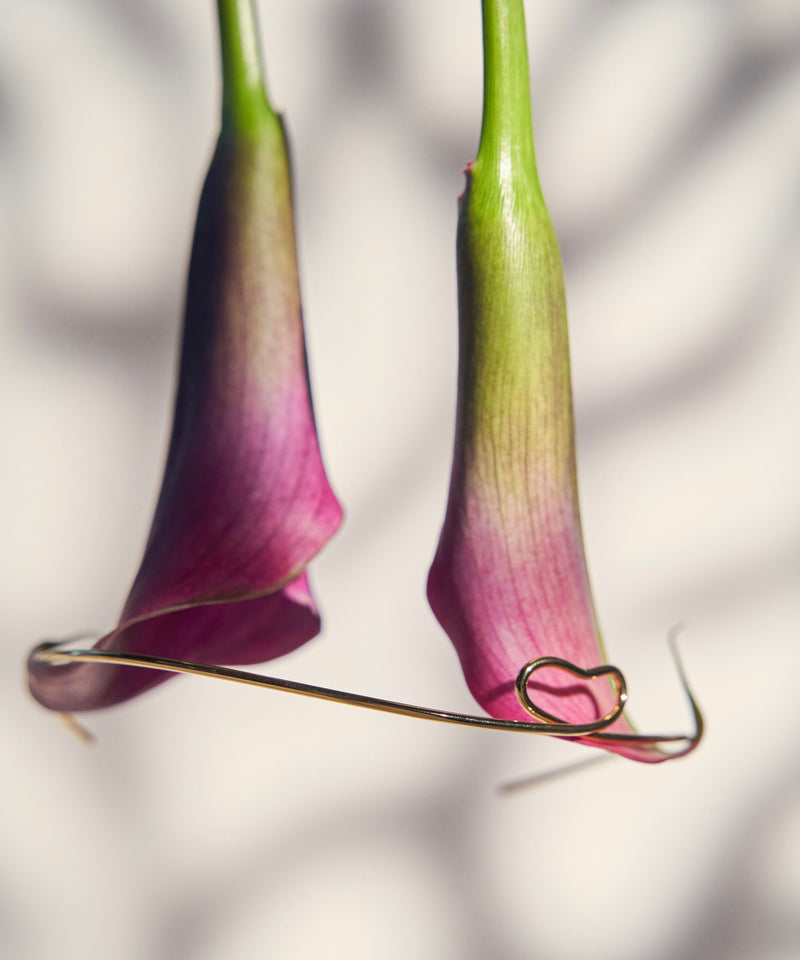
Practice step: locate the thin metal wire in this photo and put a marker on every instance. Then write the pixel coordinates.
(699, 723)
(50, 652)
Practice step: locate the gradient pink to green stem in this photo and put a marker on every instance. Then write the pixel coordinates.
(245, 503)
(509, 580)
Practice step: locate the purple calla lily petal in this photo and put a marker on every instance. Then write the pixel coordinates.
(245, 503)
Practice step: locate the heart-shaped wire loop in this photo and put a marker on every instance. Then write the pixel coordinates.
(608, 670)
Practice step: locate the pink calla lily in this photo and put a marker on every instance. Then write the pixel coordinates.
(509, 581)
(245, 503)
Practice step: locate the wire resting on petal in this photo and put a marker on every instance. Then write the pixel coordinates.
(530, 668)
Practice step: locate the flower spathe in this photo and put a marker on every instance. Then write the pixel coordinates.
(245, 503)
(509, 581)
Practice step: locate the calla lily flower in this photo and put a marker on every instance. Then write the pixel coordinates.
(509, 581)
(245, 503)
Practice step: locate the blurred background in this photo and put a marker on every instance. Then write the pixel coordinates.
(211, 821)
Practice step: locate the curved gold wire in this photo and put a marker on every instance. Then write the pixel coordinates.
(50, 652)
(699, 723)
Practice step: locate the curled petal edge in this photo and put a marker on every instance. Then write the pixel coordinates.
(243, 630)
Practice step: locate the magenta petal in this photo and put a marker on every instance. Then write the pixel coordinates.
(509, 589)
(509, 585)
(503, 605)
(245, 503)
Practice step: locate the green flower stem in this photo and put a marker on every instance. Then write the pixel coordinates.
(506, 143)
(245, 106)
(514, 351)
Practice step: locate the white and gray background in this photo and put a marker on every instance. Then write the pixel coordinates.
(212, 821)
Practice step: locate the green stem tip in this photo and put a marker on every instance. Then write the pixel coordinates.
(244, 99)
(506, 142)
